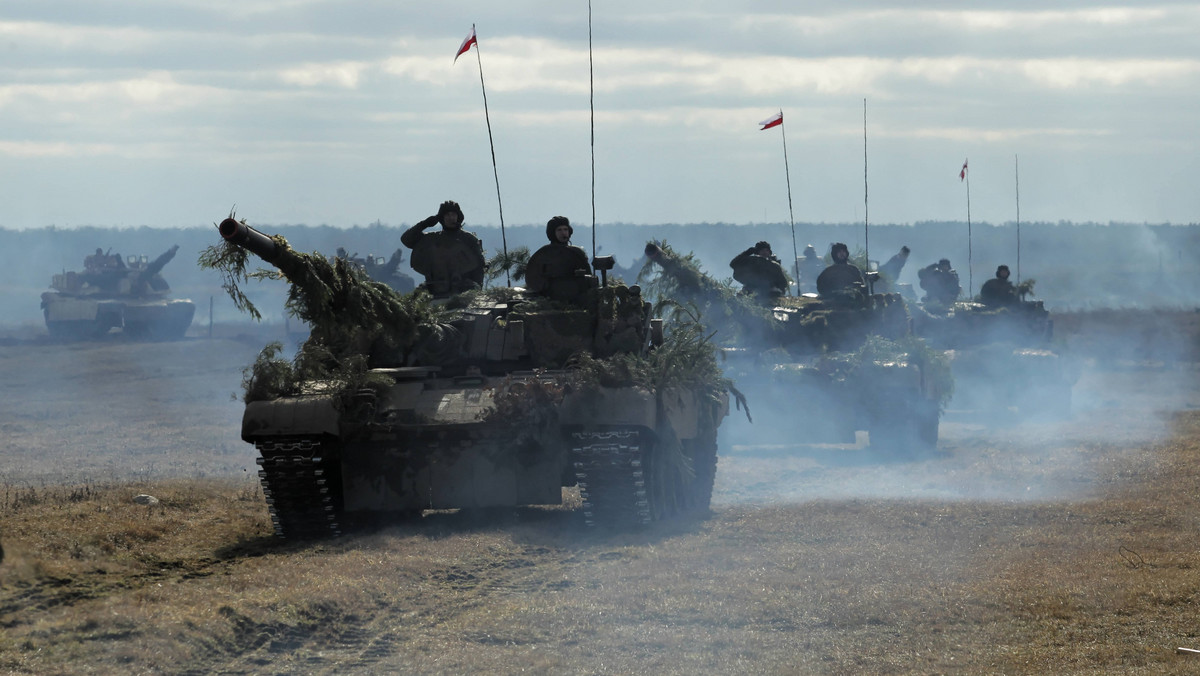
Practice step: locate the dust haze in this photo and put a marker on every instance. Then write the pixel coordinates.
(1122, 298)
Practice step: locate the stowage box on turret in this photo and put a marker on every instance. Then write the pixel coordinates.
(399, 404)
(112, 292)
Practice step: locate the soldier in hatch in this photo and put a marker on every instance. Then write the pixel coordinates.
(998, 291)
(452, 259)
(559, 269)
(940, 282)
(759, 272)
(808, 268)
(842, 280)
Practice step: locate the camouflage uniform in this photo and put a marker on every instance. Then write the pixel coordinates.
(998, 291)
(559, 269)
(451, 260)
(762, 276)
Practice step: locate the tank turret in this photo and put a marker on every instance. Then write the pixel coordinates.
(815, 370)
(146, 274)
(112, 293)
(399, 403)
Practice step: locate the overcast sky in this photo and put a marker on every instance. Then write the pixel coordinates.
(169, 112)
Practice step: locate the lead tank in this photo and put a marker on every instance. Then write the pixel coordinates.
(112, 292)
(398, 403)
(816, 371)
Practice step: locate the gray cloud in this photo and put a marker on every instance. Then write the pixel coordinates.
(345, 113)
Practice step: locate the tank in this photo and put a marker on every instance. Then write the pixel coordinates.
(398, 403)
(1003, 358)
(380, 269)
(816, 371)
(112, 292)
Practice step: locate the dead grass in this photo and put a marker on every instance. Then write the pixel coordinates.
(96, 583)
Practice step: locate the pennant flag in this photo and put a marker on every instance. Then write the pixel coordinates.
(466, 44)
(773, 121)
(963, 174)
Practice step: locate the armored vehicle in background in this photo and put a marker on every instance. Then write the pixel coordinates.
(401, 403)
(1003, 358)
(116, 293)
(380, 269)
(815, 371)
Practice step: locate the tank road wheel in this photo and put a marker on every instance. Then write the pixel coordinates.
(666, 482)
(301, 478)
(702, 453)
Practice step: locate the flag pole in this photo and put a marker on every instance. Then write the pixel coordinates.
(866, 215)
(492, 145)
(791, 218)
(592, 109)
(1017, 178)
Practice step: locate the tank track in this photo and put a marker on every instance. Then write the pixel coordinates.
(300, 478)
(608, 467)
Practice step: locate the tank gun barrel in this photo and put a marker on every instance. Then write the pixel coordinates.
(687, 279)
(157, 264)
(250, 239)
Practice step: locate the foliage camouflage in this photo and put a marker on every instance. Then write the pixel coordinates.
(353, 317)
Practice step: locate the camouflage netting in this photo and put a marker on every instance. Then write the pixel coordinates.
(351, 317)
(271, 376)
(514, 263)
(684, 293)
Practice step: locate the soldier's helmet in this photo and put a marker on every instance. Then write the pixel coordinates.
(449, 206)
(552, 225)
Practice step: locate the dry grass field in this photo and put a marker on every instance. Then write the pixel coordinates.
(1063, 547)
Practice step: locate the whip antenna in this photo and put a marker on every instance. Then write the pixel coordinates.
(592, 109)
(866, 214)
(1017, 178)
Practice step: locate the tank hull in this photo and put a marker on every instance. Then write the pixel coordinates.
(84, 318)
(1002, 359)
(452, 443)
(803, 403)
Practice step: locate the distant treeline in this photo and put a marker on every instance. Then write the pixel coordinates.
(1088, 265)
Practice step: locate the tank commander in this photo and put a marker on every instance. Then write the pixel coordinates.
(808, 268)
(452, 259)
(998, 291)
(842, 280)
(940, 282)
(760, 272)
(558, 269)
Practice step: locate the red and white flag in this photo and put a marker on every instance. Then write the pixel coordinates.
(963, 174)
(466, 44)
(773, 121)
